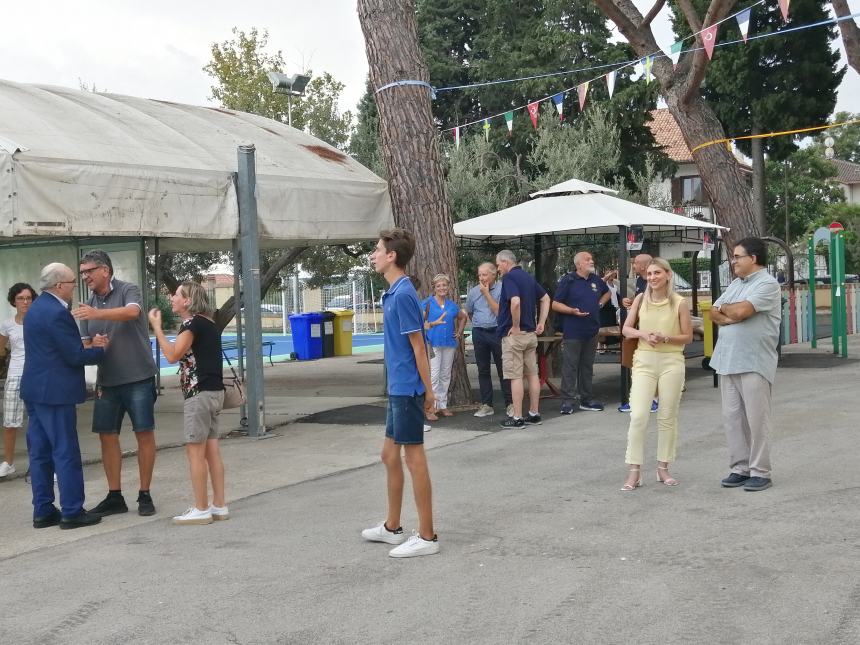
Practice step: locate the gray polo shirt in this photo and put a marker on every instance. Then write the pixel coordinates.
(478, 307)
(128, 358)
(750, 346)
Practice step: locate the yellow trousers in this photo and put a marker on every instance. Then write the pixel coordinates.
(655, 372)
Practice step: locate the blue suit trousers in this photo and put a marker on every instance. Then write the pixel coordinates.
(52, 444)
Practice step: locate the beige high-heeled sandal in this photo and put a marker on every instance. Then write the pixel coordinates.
(631, 487)
(668, 481)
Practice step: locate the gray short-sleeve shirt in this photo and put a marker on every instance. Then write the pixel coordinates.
(128, 358)
(750, 346)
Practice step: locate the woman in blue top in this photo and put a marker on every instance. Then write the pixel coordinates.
(444, 322)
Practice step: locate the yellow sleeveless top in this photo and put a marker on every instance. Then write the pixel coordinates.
(661, 317)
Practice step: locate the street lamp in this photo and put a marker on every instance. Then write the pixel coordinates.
(291, 86)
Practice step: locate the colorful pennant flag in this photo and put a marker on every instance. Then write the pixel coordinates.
(582, 92)
(675, 52)
(487, 130)
(558, 100)
(744, 23)
(457, 137)
(709, 39)
(509, 121)
(610, 82)
(783, 7)
(533, 112)
(649, 60)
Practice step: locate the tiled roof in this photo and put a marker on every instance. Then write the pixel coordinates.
(668, 136)
(847, 172)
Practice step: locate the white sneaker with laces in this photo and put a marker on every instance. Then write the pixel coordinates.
(484, 411)
(194, 516)
(219, 513)
(414, 546)
(382, 534)
(6, 469)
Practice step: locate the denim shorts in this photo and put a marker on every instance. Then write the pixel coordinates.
(405, 419)
(112, 403)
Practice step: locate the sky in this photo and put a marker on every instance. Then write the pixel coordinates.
(157, 49)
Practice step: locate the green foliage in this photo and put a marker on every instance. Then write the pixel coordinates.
(684, 267)
(772, 84)
(169, 320)
(364, 142)
(846, 138)
(808, 179)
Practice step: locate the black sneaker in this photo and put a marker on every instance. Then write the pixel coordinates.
(144, 504)
(532, 419)
(513, 423)
(591, 406)
(758, 483)
(113, 504)
(567, 408)
(734, 480)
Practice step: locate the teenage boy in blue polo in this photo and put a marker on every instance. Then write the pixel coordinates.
(578, 298)
(409, 398)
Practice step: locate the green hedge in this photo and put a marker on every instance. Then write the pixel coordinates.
(683, 267)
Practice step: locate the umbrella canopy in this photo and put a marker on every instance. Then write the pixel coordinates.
(561, 210)
(81, 164)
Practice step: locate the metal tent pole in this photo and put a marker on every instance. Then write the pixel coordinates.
(624, 376)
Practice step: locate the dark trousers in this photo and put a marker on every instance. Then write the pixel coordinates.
(577, 370)
(488, 346)
(52, 445)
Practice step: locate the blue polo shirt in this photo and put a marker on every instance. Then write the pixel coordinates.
(517, 282)
(441, 335)
(641, 283)
(583, 293)
(401, 316)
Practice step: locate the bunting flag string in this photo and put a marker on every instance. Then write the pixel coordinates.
(709, 38)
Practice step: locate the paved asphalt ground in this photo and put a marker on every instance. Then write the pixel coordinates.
(538, 543)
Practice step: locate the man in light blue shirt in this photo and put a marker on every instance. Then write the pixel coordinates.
(482, 305)
(745, 355)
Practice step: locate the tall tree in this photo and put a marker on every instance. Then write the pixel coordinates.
(846, 138)
(850, 33)
(771, 84)
(410, 147)
(721, 174)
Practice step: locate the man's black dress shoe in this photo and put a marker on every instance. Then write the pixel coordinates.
(81, 519)
(44, 521)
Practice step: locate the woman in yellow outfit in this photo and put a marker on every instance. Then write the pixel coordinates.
(660, 319)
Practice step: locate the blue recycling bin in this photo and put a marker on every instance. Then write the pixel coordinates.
(307, 336)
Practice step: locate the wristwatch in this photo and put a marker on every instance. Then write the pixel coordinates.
(665, 340)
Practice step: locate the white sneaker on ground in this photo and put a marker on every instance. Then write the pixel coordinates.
(414, 546)
(382, 534)
(219, 513)
(427, 428)
(194, 516)
(6, 469)
(484, 411)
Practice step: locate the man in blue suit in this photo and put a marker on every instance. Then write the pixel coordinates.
(51, 386)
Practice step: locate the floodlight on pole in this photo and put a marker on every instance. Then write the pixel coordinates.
(291, 86)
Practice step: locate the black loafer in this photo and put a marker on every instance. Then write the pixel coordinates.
(81, 519)
(44, 521)
(734, 480)
(110, 505)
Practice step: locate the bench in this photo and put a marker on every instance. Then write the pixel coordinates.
(232, 345)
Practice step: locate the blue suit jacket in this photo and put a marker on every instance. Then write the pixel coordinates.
(55, 357)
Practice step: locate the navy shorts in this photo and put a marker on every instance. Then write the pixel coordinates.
(405, 419)
(112, 403)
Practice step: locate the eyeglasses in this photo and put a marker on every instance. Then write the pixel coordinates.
(67, 282)
(85, 273)
(735, 258)
(23, 299)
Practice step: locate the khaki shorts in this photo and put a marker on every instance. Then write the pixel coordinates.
(200, 416)
(519, 355)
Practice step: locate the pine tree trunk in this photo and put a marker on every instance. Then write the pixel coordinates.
(410, 150)
(757, 153)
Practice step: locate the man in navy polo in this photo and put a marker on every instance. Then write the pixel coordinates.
(518, 327)
(578, 299)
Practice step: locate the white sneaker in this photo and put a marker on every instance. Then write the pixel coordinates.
(415, 545)
(6, 469)
(219, 513)
(484, 411)
(194, 516)
(510, 410)
(382, 534)
(427, 428)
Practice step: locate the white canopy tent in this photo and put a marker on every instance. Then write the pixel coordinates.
(81, 164)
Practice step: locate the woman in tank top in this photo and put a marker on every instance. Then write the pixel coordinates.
(660, 319)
